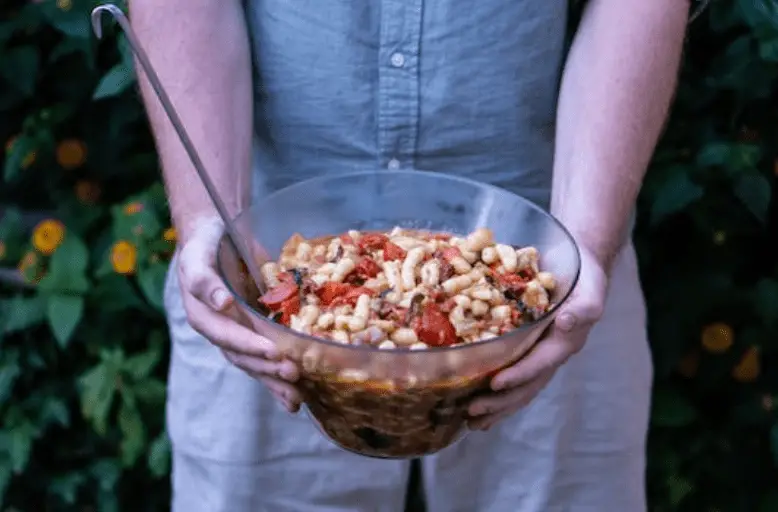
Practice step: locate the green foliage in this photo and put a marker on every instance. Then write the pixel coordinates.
(83, 341)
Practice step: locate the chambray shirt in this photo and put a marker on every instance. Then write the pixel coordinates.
(468, 88)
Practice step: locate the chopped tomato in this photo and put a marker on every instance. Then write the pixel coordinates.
(448, 305)
(351, 296)
(446, 270)
(393, 252)
(372, 242)
(346, 239)
(278, 294)
(449, 253)
(289, 307)
(367, 268)
(434, 327)
(330, 291)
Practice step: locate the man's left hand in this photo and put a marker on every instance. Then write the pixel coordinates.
(516, 386)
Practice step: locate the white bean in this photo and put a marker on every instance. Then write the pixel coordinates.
(508, 257)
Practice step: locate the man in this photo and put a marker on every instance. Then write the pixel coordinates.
(468, 88)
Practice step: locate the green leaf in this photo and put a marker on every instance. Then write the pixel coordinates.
(754, 192)
(152, 282)
(670, 409)
(107, 472)
(67, 268)
(118, 79)
(21, 313)
(64, 314)
(15, 160)
(54, 410)
(113, 292)
(133, 432)
(19, 67)
(20, 444)
(678, 488)
(140, 366)
(9, 372)
(98, 387)
(73, 22)
(674, 195)
(150, 391)
(66, 486)
(159, 456)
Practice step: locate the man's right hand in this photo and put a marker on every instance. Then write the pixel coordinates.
(210, 309)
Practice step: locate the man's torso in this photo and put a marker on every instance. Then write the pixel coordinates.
(468, 88)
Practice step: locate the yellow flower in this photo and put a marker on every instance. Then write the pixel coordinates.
(48, 235)
(28, 159)
(71, 153)
(124, 257)
(170, 235)
(749, 367)
(88, 192)
(64, 5)
(133, 208)
(717, 338)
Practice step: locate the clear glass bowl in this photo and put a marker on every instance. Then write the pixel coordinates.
(398, 403)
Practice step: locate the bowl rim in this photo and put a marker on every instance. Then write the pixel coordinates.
(406, 350)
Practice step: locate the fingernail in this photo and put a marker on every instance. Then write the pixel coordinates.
(219, 298)
(566, 321)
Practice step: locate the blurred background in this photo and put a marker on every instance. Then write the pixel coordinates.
(85, 240)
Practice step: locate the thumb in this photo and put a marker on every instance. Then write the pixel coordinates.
(197, 266)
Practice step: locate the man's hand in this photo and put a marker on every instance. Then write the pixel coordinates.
(211, 311)
(515, 387)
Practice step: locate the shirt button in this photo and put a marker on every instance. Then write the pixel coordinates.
(394, 164)
(397, 60)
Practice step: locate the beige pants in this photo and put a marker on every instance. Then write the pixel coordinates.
(580, 446)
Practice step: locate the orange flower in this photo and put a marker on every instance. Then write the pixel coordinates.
(124, 257)
(71, 153)
(88, 192)
(48, 235)
(28, 159)
(749, 367)
(717, 338)
(29, 259)
(133, 208)
(170, 235)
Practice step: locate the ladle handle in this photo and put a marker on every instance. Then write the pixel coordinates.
(235, 237)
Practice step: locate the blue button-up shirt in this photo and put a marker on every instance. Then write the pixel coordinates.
(468, 88)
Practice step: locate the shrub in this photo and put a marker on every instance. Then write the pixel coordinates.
(85, 242)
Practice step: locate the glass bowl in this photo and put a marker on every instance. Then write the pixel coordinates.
(397, 403)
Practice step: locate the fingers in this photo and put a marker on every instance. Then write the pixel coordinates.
(547, 356)
(226, 333)
(285, 393)
(285, 370)
(490, 409)
(197, 269)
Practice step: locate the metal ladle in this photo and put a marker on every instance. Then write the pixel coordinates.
(234, 236)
